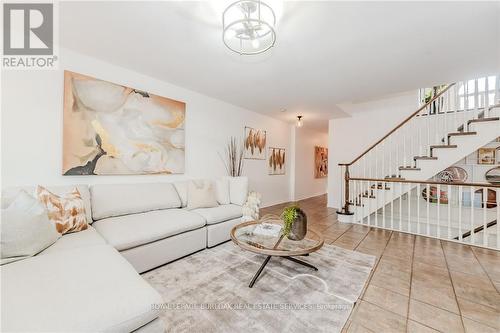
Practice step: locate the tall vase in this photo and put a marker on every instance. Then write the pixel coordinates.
(299, 226)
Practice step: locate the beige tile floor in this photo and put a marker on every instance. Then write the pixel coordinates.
(419, 284)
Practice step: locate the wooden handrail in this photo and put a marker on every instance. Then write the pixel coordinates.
(477, 229)
(402, 180)
(401, 124)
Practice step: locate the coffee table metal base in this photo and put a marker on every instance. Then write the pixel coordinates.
(261, 268)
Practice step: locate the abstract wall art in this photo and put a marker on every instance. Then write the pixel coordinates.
(255, 144)
(320, 162)
(110, 129)
(276, 161)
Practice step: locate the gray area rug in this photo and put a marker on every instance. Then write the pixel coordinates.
(208, 291)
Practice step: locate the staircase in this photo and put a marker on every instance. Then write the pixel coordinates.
(453, 123)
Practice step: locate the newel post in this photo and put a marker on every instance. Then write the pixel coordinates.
(346, 190)
(344, 215)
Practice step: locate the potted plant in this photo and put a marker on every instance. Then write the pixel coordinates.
(294, 222)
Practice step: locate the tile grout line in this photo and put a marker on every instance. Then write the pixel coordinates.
(453, 286)
(411, 280)
(484, 270)
(353, 313)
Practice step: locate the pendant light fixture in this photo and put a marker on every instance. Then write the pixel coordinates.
(299, 121)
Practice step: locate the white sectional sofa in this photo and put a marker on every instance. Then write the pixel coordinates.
(88, 281)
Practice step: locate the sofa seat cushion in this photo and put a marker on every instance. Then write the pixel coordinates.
(125, 232)
(91, 289)
(85, 238)
(220, 213)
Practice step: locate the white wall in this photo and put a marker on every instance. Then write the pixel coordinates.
(306, 185)
(349, 137)
(31, 116)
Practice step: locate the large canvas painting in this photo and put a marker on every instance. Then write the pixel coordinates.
(276, 161)
(320, 162)
(255, 144)
(110, 129)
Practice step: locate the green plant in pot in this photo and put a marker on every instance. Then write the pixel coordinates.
(294, 222)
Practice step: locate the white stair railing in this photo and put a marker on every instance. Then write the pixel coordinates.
(462, 212)
(443, 112)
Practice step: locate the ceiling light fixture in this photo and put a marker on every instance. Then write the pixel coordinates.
(248, 27)
(299, 121)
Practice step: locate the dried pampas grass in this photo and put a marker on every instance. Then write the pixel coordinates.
(233, 157)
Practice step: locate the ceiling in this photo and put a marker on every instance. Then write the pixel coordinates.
(326, 53)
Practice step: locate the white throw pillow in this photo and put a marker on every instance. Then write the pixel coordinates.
(182, 191)
(222, 191)
(26, 229)
(238, 190)
(201, 194)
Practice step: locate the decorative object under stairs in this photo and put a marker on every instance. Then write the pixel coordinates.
(385, 186)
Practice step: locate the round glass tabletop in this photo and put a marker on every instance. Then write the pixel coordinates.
(266, 238)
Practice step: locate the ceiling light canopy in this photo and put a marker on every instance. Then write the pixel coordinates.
(249, 27)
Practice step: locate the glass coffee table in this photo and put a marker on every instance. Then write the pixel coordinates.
(274, 246)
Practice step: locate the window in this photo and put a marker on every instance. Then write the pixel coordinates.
(477, 91)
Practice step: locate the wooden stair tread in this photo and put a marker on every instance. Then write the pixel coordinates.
(425, 158)
(409, 168)
(443, 146)
(481, 120)
(461, 133)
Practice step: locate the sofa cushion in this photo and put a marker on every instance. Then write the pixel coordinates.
(26, 229)
(222, 191)
(238, 190)
(66, 211)
(85, 238)
(48, 293)
(182, 191)
(220, 213)
(201, 194)
(125, 232)
(123, 199)
(9, 194)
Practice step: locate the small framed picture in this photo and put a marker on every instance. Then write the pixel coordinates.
(486, 156)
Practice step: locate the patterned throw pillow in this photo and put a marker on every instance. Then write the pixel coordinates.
(67, 212)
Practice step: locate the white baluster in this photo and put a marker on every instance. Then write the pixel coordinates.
(485, 222)
(392, 205)
(472, 215)
(449, 211)
(460, 213)
(408, 197)
(418, 209)
(400, 207)
(428, 192)
(438, 194)
(498, 219)
(404, 147)
(369, 199)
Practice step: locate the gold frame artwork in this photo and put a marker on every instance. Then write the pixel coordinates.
(320, 162)
(255, 144)
(486, 156)
(276, 161)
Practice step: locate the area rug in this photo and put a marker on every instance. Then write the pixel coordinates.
(208, 291)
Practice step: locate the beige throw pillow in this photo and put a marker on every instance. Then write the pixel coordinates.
(67, 212)
(201, 194)
(26, 229)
